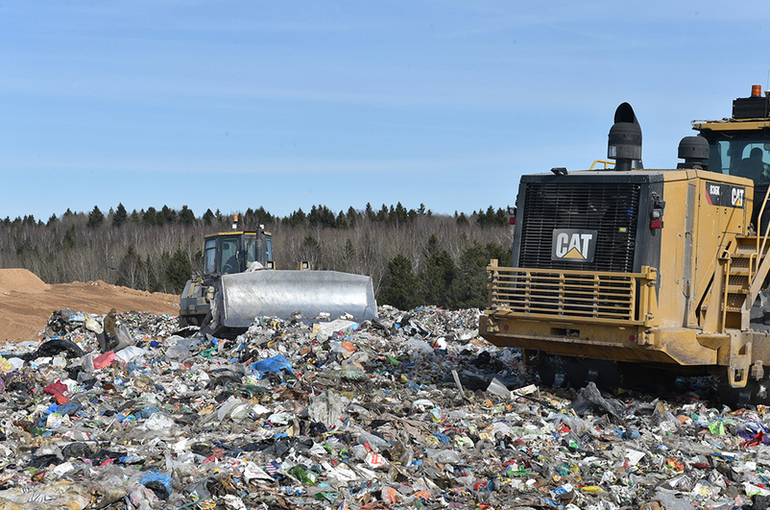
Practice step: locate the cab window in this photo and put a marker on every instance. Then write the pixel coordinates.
(210, 257)
(742, 157)
(753, 163)
(250, 247)
(268, 248)
(229, 256)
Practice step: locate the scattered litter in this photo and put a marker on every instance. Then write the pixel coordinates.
(412, 410)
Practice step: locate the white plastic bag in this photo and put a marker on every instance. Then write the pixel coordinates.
(93, 325)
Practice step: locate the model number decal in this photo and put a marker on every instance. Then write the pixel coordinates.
(725, 195)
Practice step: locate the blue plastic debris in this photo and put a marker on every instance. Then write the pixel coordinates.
(273, 364)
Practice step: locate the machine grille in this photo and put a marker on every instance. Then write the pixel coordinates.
(612, 209)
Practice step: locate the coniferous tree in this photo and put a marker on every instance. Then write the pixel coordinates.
(295, 219)
(150, 217)
(120, 216)
(186, 216)
(436, 280)
(352, 217)
(469, 288)
(178, 270)
(69, 242)
(168, 215)
(341, 222)
(95, 218)
(400, 289)
(130, 268)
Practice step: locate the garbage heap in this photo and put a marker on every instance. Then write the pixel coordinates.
(412, 410)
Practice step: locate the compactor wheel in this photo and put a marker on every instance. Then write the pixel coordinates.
(190, 320)
(754, 393)
(565, 371)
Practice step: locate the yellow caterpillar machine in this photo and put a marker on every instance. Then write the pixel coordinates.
(626, 267)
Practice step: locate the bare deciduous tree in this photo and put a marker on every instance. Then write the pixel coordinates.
(136, 254)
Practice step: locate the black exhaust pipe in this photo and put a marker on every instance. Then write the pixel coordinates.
(625, 140)
(694, 150)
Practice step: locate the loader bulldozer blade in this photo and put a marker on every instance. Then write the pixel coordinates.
(288, 294)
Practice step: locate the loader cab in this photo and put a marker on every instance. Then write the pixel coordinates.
(740, 145)
(745, 156)
(223, 253)
(235, 252)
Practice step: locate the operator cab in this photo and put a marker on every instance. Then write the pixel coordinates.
(740, 145)
(745, 157)
(235, 252)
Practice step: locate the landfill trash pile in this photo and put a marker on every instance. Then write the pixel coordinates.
(412, 410)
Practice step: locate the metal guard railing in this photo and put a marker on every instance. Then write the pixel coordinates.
(572, 295)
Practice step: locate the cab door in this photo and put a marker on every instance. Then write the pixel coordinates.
(229, 249)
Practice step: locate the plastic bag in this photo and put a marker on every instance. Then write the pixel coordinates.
(93, 325)
(273, 364)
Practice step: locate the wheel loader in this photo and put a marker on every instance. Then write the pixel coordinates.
(239, 283)
(620, 272)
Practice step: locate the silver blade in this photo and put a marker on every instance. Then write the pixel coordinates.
(284, 293)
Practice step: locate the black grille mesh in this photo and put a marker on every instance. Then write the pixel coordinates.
(609, 208)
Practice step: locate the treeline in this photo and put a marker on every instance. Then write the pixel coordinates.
(415, 257)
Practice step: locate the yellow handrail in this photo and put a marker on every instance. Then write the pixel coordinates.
(759, 224)
(763, 263)
(601, 161)
(725, 292)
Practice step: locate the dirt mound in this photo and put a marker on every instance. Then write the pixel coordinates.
(20, 280)
(26, 302)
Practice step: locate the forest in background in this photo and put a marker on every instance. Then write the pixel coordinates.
(415, 257)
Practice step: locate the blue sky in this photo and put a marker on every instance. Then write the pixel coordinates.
(241, 104)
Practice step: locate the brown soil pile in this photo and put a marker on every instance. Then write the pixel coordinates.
(26, 302)
(20, 280)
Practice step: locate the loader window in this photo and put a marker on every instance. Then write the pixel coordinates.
(229, 256)
(250, 247)
(742, 157)
(719, 157)
(210, 261)
(752, 163)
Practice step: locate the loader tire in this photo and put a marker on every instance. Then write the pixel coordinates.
(190, 320)
(566, 371)
(754, 393)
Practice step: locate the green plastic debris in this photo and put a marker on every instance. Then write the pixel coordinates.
(208, 353)
(717, 428)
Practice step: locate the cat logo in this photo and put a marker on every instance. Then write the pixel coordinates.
(725, 195)
(573, 245)
(737, 197)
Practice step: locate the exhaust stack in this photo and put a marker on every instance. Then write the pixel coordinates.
(694, 150)
(625, 140)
